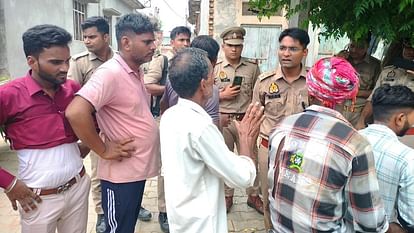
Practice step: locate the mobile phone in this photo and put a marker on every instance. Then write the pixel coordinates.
(237, 81)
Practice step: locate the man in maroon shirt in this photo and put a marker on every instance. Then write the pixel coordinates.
(52, 187)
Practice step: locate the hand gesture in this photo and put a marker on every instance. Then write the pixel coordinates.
(118, 149)
(249, 128)
(229, 92)
(22, 194)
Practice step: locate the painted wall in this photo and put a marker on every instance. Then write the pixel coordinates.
(19, 15)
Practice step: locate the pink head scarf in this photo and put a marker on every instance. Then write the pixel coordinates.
(332, 80)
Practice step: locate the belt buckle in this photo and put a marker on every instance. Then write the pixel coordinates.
(64, 188)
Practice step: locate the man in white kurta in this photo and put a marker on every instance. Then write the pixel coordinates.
(195, 157)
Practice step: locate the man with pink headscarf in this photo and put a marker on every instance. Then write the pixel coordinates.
(321, 170)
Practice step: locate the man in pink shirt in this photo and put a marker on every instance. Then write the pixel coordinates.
(128, 144)
(52, 187)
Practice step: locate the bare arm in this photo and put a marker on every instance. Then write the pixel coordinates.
(155, 89)
(365, 114)
(364, 94)
(79, 114)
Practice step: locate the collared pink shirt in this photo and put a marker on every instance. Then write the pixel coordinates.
(32, 119)
(119, 96)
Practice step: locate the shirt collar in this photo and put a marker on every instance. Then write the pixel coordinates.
(32, 86)
(279, 73)
(194, 106)
(242, 62)
(384, 130)
(365, 60)
(92, 56)
(125, 66)
(327, 111)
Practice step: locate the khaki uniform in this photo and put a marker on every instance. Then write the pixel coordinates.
(224, 76)
(153, 75)
(369, 71)
(83, 65)
(397, 76)
(394, 76)
(81, 68)
(153, 69)
(280, 99)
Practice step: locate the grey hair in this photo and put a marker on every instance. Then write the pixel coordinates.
(187, 69)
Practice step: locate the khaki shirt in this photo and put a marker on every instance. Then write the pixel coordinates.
(224, 75)
(153, 71)
(83, 65)
(279, 98)
(393, 75)
(369, 71)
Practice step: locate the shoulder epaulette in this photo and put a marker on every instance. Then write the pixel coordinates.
(267, 74)
(79, 55)
(251, 60)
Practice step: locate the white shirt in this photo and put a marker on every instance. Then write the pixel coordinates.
(196, 161)
(51, 167)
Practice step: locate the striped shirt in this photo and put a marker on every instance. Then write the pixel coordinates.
(394, 163)
(324, 177)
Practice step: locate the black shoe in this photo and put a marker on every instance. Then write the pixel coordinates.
(144, 214)
(163, 220)
(100, 224)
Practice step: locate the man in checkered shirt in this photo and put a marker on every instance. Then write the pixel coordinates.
(394, 162)
(321, 170)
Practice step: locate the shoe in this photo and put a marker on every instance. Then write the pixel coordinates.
(144, 214)
(100, 224)
(256, 203)
(229, 203)
(163, 220)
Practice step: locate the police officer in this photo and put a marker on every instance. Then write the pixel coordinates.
(154, 79)
(235, 77)
(96, 39)
(369, 69)
(394, 74)
(281, 92)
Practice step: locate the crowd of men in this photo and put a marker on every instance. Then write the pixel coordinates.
(205, 126)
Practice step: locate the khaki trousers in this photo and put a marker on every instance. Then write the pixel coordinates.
(65, 212)
(160, 185)
(263, 163)
(95, 183)
(231, 137)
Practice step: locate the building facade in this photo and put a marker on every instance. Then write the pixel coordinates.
(16, 16)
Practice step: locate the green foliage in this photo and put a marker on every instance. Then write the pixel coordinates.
(386, 19)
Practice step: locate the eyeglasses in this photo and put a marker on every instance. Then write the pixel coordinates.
(290, 49)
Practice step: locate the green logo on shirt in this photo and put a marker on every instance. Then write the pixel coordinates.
(296, 161)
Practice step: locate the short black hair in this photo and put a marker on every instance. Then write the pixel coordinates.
(43, 36)
(96, 21)
(387, 100)
(298, 34)
(186, 70)
(133, 22)
(207, 44)
(179, 30)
